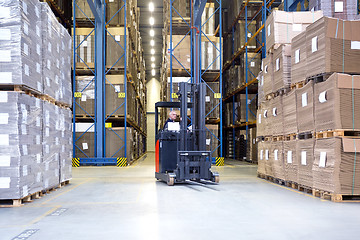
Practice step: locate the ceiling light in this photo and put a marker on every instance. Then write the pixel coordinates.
(152, 21)
(151, 7)
(153, 65)
(152, 32)
(152, 42)
(153, 59)
(152, 51)
(153, 72)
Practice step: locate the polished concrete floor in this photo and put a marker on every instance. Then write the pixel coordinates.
(128, 203)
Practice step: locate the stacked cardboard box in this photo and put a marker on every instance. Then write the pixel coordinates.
(212, 139)
(305, 160)
(252, 149)
(115, 145)
(277, 127)
(86, 104)
(282, 67)
(305, 108)
(290, 161)
(289, 112)
(298, 58)
(268, 74)
(277, 156)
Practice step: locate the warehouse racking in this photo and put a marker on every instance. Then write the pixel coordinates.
(108, 72)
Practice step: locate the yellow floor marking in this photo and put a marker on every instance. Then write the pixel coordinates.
(295, 191)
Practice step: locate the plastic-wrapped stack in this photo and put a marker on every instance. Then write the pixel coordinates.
(335, 169)
(20, 145)
(86, 104)
(282, 67)
(66, 139)
(115, 142)
(343, 9)
(65, 95)
(212, 139)
(337, 103)
(20, 43)
(212, 109)
(305, 160)
(305, 108)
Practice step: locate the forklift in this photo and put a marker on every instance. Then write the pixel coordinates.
(180, 155)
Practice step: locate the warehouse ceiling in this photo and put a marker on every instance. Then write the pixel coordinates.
(145, 27)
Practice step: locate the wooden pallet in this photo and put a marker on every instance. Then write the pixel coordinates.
(20, 88)
(305, 135)
(319, 77)
(268, 138)
(4, 203)
(337, 133)
(335, 197)
(290, 137)
(299, 84)
(278, 138)
(305, 189)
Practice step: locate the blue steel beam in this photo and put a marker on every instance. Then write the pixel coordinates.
(199, 6)
(94, 10)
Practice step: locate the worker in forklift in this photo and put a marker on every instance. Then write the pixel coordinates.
(172, 117)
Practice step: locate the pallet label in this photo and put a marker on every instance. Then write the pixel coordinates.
(174, 95)
(108, 125)
(77, 94)
(217, 95)
(121, 95)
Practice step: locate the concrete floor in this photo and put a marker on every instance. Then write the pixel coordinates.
(128, 203)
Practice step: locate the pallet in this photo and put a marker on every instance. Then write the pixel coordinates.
(319, 77)
(335, 197)
(337, 133)
(290, 137)
(20, 88)
(268, 138)
(299, 84)
(5, 203)
(278, 138)
(305, 135)
(305, 189)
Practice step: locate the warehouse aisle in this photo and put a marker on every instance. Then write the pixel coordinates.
(128, 203)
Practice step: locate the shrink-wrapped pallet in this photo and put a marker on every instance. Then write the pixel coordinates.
(277, 126)
(343, 9)
(335, 168)
(282, 67)
(298, 58)
(84, 140)
(86, 104)
(20, 43)
(268, 73)
(115, 145)
(212, 108)
(277, 155)
(66, 142)
(65, 67)
(337, 102)
(305, 108)
(290, 162)
(212, 139)
(282, 26)
(332, 45)
(305, 159)
(289, 112)
(20, 145)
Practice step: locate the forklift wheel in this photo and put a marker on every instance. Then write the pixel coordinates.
(217, 179)
(170, 181)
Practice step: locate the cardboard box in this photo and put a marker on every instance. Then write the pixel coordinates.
(277, 155)
(289, 112)
(305, 159)
(298, 58)
(268, 73)
(305, 108)
(290, 161)
(282, 67)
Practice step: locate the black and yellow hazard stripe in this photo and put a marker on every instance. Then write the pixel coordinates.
(76, 162)
(219, 161)
(121, 162)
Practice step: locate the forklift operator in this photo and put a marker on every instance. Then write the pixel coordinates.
(172, 117)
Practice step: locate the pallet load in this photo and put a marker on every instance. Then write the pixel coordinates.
(343, 9)
(277, 153)
(282, 68)
(212, 139)
(305, 108)
(305, 160)
(298, 58)
(290, 161)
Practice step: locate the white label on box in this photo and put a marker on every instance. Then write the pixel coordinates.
(37, 12)
(38, 32)
(5, 55)
(24, 7)
(38, 49)
(26, 70)
(262, 81)
(3, 96)
(38, 140)
(23, 130)
(269, 31)
(266, 154)
(4, 181)
(5, 77)
(26, 28)
(297, 56)
(303, 158)
(57, 63)
(322, 162)
(47, 132)
(259, 118)
(48, 64)
(38, 177)
(314, 45)
(297, 27)
(46, 183)
(84, 44)
(252, 64)
(249, 35)
(25, 170)
(83, 97)
(117, 88)
(4, 139)
(57, 79)
(47, 149)
(57, 142)
(47, 81)
(58, 48)
(62, 148)
(38, 68)
(207, 98)
(62, 46)
(274, 111)
(5, 34)
(339, 6)
(265, 114)
(261, 154)
(49, 46)
(25, 150)
(117, 38)
(208, 141)
(25, 190)
(276, 154)
(39, 86)
(4, 12)
(266, 69)
(5, 160)
(37, 103)
(38, 121)
(289, 157)
(322, 97)
(85, 146)
(4, 118)
(47, 166)
(277, 64)
(355, 45)
(304, 102)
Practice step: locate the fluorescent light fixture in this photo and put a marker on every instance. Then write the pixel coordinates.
(153, 72)
(151, 20)
(152, 51)
(152, 42)
(153, 65)
(151, 7)
(153, 59)
(152, 32)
